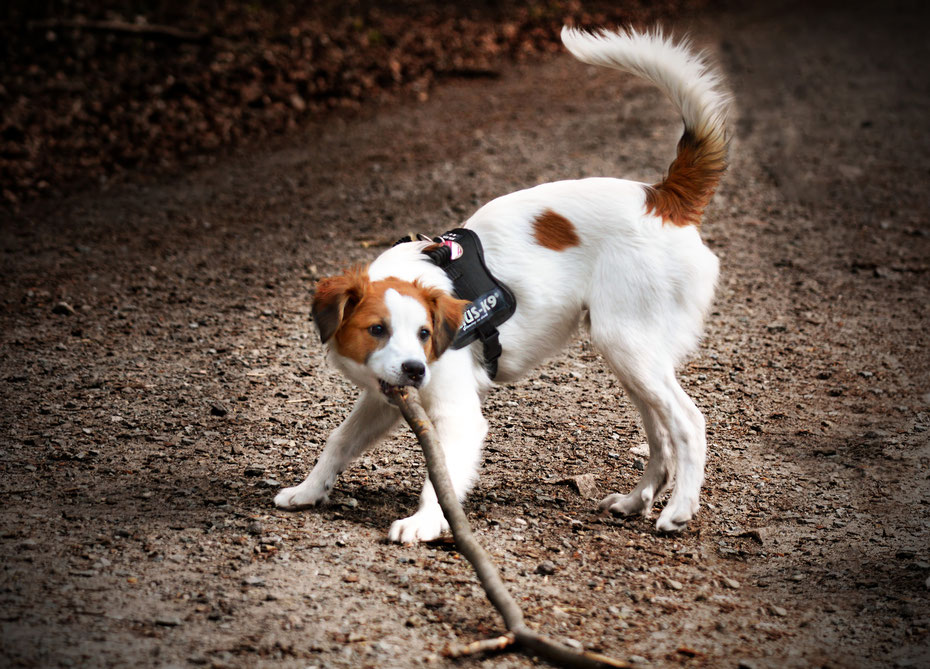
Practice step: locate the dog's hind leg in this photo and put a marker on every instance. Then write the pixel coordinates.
(674, 427)
(371, 418)
(659, 469)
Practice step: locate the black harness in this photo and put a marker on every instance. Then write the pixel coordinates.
(460, 255)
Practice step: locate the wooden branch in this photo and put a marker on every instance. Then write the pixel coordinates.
(482, 646)
(408, 401)
(149, 30)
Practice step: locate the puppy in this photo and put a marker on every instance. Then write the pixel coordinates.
(624, 257)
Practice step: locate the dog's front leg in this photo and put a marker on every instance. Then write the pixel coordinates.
(460, 429)
(371, 418)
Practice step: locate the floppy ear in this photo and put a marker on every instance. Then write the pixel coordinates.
(447, 317)
(335, 298)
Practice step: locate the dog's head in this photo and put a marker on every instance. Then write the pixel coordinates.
(385, 333)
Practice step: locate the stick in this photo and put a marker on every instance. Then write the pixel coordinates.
(408, 401)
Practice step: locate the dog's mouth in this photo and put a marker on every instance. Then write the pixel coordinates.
(389, 389)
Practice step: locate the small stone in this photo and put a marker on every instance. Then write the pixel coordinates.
(256, 527)
(63, 309)
(269, 483)
(585, 485)
(729, 583)
(639, 464)
(254, 470)
(642, 450)
(414, 621)
(253, 581)
(546, 568)
(673, 584)
(168, 621)
(217, 409)
(637, 659)
(777, 611)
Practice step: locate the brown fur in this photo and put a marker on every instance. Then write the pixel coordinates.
(554, 231)
(345, 306)
(692, 178)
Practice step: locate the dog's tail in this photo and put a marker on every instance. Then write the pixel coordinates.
(695, 89)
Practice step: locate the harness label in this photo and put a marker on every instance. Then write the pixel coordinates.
(480, 310)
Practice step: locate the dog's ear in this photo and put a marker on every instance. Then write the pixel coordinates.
(447, 317)
(335, 299)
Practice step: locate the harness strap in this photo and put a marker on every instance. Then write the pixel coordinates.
(460, 255)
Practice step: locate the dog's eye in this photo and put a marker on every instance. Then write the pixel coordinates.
(376, 330)
(424, 334)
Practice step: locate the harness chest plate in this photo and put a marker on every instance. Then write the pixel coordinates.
(460, 255)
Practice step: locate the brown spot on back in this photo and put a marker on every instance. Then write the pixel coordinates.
(554, 231)
(692, 178)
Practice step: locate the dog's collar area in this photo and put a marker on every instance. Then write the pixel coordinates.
(460, 255)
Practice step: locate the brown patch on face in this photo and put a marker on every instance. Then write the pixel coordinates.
(364, 306)
(353, 337)
(554, 231)
(692, 178)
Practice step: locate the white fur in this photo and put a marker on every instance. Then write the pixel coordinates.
(643, 285)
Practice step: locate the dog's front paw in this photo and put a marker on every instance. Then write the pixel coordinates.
(300, 497)
(424, 525)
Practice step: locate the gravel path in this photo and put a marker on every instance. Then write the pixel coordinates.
(161, 381)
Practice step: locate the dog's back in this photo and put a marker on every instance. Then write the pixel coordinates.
(611, 245)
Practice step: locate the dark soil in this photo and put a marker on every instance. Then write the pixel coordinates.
(161, 380)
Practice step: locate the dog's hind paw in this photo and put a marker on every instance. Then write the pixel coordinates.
(628, 505)
(297, 498)
(676, 515)
(424, 525)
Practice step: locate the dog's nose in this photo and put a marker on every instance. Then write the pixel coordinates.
(414, 369)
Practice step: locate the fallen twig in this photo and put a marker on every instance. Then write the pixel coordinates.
(482, 646)
(408, 402)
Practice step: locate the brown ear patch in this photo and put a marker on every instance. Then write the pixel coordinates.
(446, 313)
(554, 231)
(335, 299)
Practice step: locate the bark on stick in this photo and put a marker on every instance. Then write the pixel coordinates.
(408, 401)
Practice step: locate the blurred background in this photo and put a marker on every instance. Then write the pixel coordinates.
(91, 91)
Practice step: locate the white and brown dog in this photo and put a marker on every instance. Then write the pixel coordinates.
(623, 256)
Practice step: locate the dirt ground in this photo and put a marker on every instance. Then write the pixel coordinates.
(162, 380)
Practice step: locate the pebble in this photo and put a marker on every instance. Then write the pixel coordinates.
(254, 581)
(168, 621)
(673, 584)
(546, 568)
(217, 409)
(729, 583)
(256, 527)
(637, 659)
(777, 611)
(63, 309)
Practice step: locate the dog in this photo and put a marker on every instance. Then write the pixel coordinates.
(624, 257)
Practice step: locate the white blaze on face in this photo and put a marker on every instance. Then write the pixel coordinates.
(407, 318)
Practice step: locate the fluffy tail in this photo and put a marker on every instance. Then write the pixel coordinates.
(697, 92)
